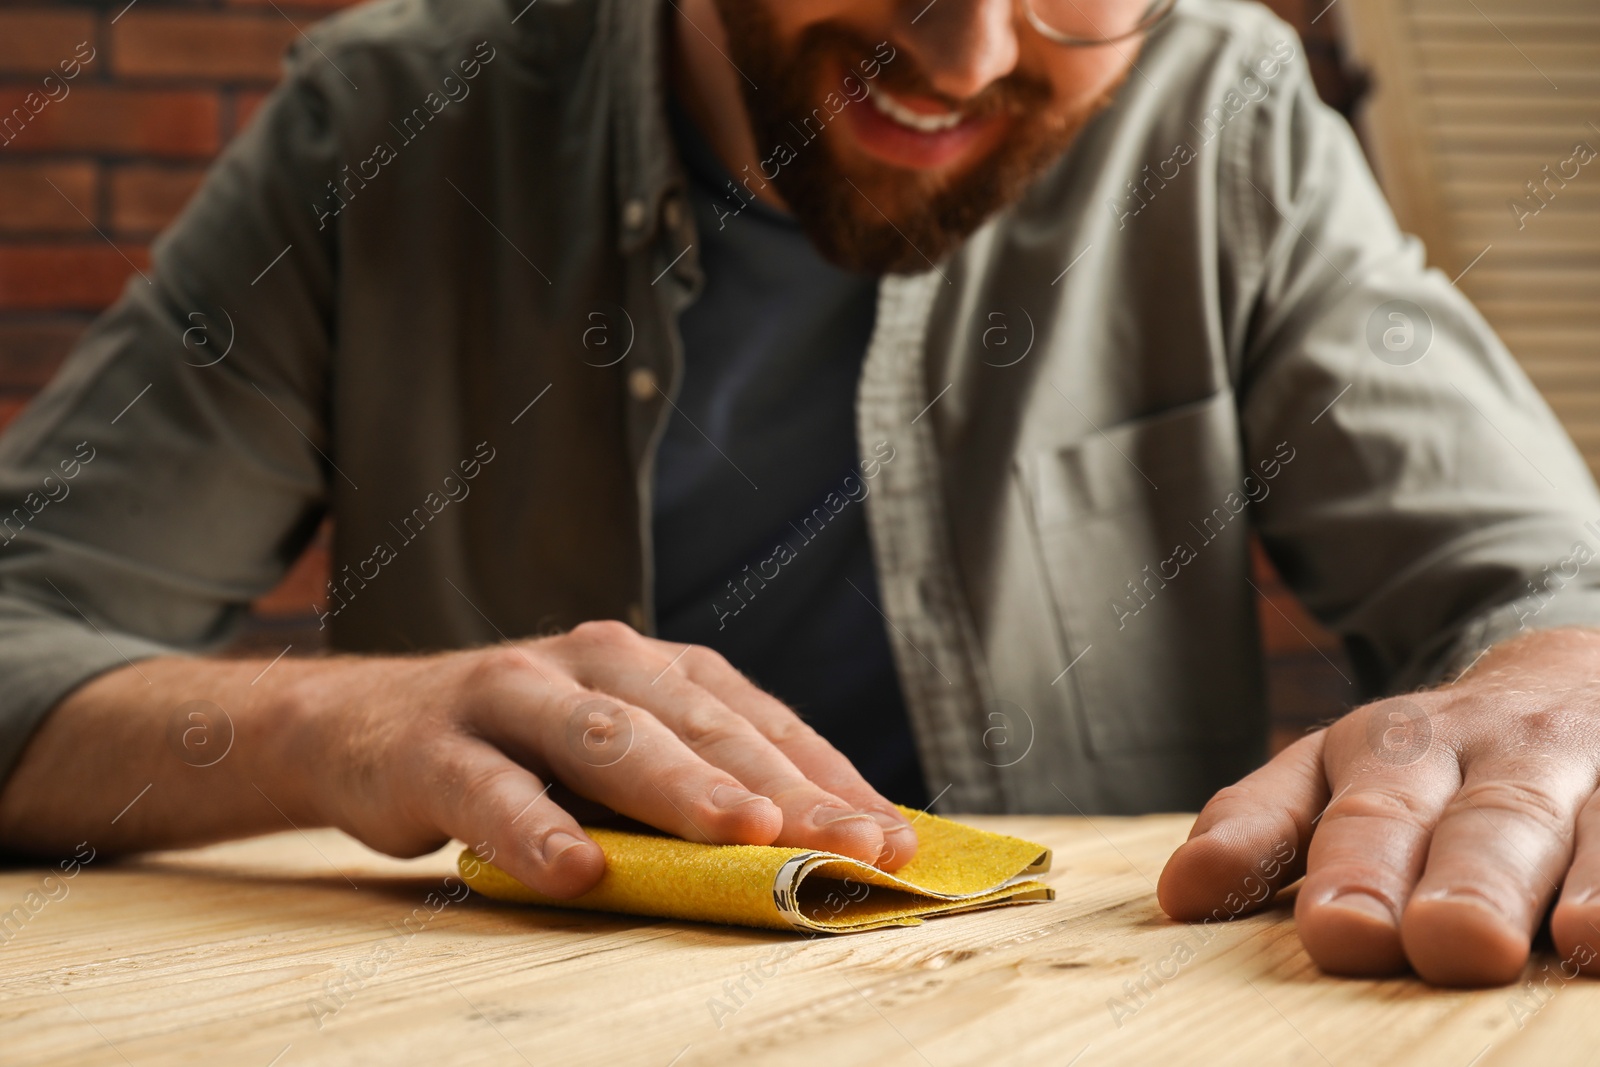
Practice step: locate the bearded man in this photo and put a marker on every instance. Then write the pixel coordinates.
(737, 415)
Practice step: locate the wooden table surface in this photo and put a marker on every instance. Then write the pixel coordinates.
(302, 949)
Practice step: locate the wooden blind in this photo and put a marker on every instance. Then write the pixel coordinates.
(1473, 100)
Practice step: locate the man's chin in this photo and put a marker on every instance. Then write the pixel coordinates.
(871, 219)
(879, 249)
(867, 215)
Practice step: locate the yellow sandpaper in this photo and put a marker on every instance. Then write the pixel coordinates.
(956, 868)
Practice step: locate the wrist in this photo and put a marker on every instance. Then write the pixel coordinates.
(1556, 658)
(294, 724)
(332, 740)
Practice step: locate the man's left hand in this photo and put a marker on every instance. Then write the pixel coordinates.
(1433, 829)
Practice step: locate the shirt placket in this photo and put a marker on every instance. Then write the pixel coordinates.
(931, 631)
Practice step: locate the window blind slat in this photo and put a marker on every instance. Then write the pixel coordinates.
(1473, 100)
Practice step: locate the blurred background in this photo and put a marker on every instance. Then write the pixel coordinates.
(1475, 114)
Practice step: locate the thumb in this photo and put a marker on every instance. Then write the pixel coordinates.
(1250, 839)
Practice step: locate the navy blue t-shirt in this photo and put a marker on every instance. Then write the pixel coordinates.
(761, 546)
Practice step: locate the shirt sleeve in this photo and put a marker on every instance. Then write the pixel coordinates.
(174, 468)
(1433, 504)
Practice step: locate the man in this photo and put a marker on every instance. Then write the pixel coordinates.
(930, 363)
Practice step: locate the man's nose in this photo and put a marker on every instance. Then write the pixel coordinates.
(961, 46)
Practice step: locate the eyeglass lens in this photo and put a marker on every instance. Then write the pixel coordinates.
(1098, 20)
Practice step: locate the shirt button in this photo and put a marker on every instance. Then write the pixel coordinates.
(672, 213)
(642, 383)
(633, 213)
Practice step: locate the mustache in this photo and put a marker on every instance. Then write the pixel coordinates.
(1015, 94)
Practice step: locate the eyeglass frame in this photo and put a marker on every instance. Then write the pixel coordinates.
(1157, 13)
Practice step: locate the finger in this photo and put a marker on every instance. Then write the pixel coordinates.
(1575, 922)
(505, 815)
(1371, 843)
(806, 749)
(1250, 839)
(812, 816)
(1497, 855)
(620, 755)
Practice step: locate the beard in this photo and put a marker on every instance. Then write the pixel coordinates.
(882, 219)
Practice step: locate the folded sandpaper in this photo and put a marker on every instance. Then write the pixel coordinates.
(956, 868)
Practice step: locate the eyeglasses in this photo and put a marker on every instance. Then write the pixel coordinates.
(1087, 23)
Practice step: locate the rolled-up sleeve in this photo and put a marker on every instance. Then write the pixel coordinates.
(175, 467)
(1434, 505)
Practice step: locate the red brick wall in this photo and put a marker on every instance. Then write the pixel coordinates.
(112, 153)
(109, 115)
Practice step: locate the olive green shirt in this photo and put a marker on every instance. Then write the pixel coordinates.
(432, 291)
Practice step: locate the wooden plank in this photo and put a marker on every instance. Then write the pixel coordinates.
(236, 953)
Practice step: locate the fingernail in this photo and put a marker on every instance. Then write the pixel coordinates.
(556, 843)
(1459, 895)
(728, 797)
(1364, 904)
(891, 823)
(830, 816)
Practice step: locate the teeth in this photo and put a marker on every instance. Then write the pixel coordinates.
(897, 111)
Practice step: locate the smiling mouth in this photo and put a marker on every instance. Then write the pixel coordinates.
(921, 122)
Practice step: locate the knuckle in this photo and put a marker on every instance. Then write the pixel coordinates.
(604, 632)
(1385, 803)
(705, 725)
(687, 781)
(459, 781)
(436, 777)
(1398, 732)
(1523, 799)
(1246, 799)
(1250, 800)
(698, 659)
(790, 729)
(598, 730)
(499, 665)
(571, 701)
(479, 785)
(1237, 795)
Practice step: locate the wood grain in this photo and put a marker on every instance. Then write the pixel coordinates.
(295, 949)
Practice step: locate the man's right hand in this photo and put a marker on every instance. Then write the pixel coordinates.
(407, 753)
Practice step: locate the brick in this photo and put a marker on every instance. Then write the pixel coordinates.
(38, 40)
(316, 8)
(245, 105)
(84, 277)
(28, 204)
(145, 198)
(10, 408)
(264, 638)
(1286, 626)
(305, 584)
(98, 118)
(34, 351)
(225, 47)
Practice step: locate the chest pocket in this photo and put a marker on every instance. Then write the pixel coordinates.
(1143, 536)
